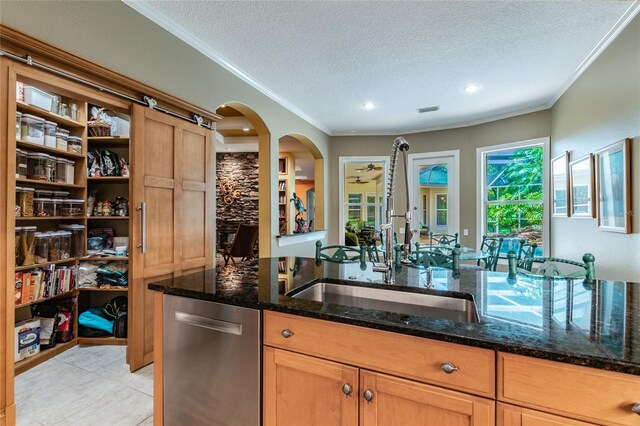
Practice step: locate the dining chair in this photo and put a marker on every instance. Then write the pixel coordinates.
(491, 246)
(526, 253)
(564, 268)
(340, 254)
(443, 239)
(242, 245)
(427, 256)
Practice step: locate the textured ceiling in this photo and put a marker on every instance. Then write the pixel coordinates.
(324, 60)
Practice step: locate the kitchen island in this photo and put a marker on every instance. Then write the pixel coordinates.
(549, 350)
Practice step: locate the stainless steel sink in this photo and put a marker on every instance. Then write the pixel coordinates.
(402, 302)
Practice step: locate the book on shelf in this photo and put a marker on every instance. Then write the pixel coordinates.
(42, 283)
(282, 186)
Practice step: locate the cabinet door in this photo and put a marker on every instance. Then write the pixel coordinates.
(172, 196)
(510, 415)
(303, 390)
(387, 400)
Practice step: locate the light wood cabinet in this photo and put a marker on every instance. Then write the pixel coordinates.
(299, 388)
(172, 194)
(510, 415)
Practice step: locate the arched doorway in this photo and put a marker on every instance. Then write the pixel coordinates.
(243, 141)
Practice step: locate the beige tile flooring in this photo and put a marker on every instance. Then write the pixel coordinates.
(86, 385)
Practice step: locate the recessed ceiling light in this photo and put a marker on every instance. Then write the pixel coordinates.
(471, 88)
(245, 129)
(368, 105)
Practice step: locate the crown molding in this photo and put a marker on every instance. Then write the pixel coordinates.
(153, 15)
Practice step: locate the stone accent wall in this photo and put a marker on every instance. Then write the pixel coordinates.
(241, 167)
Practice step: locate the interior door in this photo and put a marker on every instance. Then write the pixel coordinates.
(172, 169)
(433, 191)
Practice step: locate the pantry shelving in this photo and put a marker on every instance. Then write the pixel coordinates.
(48, 150)
(32, 361)
(44, 265)
(73, 292)
(61, 120)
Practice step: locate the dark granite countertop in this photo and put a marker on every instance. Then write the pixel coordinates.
(591, 324)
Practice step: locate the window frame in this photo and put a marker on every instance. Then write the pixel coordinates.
(446, 209)
(481, 199)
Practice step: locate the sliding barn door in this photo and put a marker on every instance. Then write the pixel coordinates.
(173, 191)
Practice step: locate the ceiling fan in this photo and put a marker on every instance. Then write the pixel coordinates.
(369, 167)
(358, 180)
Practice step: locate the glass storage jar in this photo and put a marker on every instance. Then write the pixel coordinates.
(32, 129)
(56, 207)
(77, 238)
(59, 195)
(74, 144)
(19, 258)
(61, 169)
(72, 207)
(69, 168)
(43, 193)
(42, 207)
(61, 139)
(27, 238)
(21, 164)
(50, 130)
(18, 208)
(40, 166)
(64, 244)
(41, 247)
(18, 125)
(26, 202)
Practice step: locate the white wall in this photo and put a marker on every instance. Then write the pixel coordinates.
(600, 108)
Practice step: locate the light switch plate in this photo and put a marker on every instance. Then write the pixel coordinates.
(465, 232)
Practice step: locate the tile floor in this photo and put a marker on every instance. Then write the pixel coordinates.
(88, 385)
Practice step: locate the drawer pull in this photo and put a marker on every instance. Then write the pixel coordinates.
(368, 395)
(636, 408)
(346, 389)
(448, 368)
(286, 333)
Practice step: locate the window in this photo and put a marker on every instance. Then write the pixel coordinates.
(441, 210)
(354, 207)
(425, 218)
(512, 193)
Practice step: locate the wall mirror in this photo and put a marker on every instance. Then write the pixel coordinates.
(581, 179)
(560, 185)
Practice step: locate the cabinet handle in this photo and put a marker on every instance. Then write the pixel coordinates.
(286, 333)
(346, 389)
(448, 368)
(143, 211)
(368, 395)
(636, 408)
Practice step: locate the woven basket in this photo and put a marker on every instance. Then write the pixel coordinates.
(98, 127)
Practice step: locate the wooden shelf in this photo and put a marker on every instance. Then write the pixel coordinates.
(49, 150)
(28, 363)
(45, 183)
(108, 140)
(120, 290)
(112, 179)
(73, 292)
(105, 258)
(108, 217)
(28, 218)
(107, 340)
(42, 265)
(43, 113)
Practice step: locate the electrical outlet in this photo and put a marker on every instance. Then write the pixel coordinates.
(465, 232)
(402, 230)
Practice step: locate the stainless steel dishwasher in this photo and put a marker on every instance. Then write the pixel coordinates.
(211, 363)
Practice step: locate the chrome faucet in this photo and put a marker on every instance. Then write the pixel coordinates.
(388, 268)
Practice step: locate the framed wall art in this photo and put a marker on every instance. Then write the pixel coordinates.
(581, 185)
(560, 185)
(613, 183)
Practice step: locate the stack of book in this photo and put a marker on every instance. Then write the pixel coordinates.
(41, 283)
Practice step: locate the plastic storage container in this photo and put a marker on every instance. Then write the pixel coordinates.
(26, 202)
(42, 207)
(64, 244)
(69, 169)
(56, 207)
(32, 129)
(61, 139)
(43, 193)
(37, 97)
(18, 125)
(50, 130)
(18, 208)
(21, 164)
(74, 144)
(41, 247)
(40, 166)
(61, 170)
(77, 239)
(27, 238)
(19, 258)
(59, 195)
(72, 207)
